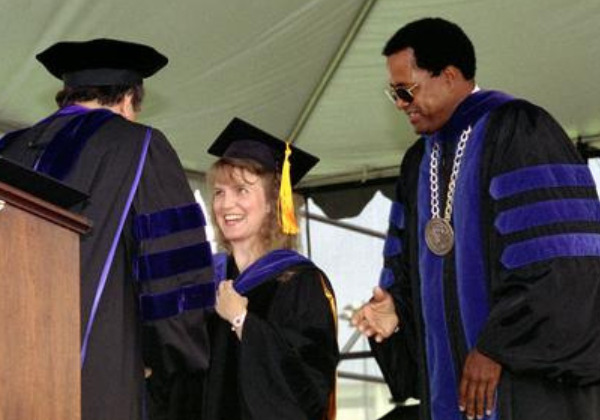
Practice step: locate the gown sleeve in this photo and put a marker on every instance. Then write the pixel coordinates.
(288, 355)
(173, 271)
(397, 356)
(544, 250)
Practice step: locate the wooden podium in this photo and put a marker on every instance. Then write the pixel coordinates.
(39, 308)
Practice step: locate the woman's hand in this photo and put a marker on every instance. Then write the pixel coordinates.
(230, 304)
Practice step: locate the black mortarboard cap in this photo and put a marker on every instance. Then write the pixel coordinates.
(101, 62)
(241, 139)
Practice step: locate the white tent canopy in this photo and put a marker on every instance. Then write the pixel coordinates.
(310, 70)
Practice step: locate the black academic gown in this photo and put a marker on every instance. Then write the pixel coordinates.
(522, 283)
(121, 343)
(284, 366)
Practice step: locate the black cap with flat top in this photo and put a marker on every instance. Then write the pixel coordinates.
(241, 139)
(101, 62)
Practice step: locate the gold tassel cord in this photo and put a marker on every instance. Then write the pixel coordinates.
(286, 214)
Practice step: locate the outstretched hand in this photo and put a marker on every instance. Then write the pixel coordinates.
(480, 378)
(377, 318)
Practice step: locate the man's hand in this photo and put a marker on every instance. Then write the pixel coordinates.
(377, 318)
(478, 384)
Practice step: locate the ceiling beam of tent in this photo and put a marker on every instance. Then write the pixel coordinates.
(331, 68)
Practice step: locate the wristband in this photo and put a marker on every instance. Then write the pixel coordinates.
(238, 321)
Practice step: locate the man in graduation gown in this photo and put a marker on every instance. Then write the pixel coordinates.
(146, 259)
(490, 295)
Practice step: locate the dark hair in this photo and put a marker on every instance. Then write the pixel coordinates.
(106, 95)
(437, 44)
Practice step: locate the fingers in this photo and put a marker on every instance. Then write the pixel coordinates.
(490, 397)
(357, 317)
(477, 389)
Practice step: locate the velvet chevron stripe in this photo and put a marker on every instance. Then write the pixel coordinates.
(547, 212)
(541, 176)
(164, 305)
(392, 246)
(169, 221)
(543, 248)
(386, 278)
(397, 215)
(173, 262)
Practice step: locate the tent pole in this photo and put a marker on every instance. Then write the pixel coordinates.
(331, 68)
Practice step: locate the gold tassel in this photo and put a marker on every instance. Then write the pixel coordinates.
(286, 214)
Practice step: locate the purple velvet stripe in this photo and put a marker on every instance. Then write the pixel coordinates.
(547, 212)
(69, 110)
(266, 267)
(392, 246)
(167, 222)
(554, 246)
(471, 274)
(386, 278)
(165, 305)
(440, 363)
(541, 176)
(113, 247)
(173, 262)
(397, 215)
(64, 149)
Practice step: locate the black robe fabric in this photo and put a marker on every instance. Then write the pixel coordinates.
(284, 366)
(535, 213)
(121, 344)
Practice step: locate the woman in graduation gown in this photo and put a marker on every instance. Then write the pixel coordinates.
(273, 334)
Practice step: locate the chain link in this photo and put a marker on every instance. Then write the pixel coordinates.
(434, 179)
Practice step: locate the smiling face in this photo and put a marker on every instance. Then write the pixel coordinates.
(240, 207)
(434, 99)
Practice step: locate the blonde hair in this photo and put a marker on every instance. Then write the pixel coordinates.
(271, 236)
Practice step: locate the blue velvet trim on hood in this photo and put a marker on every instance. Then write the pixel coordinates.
(547, 212)
(266, 268)
(167, 222)
(541, 176)
(62, 152)
(68, 110)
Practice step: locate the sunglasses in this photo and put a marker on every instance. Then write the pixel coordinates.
(399, 93)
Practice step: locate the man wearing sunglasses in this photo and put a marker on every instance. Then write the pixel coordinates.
(490, 293)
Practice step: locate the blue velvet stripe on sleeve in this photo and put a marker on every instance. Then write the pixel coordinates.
(397, 215)
(164, 305)
(169, 221)
(392, 246)
(552, 246)
(386, 278)
(547, 212)
(541, 176)
(173, 262)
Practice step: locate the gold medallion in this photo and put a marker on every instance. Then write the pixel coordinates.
(439, 236)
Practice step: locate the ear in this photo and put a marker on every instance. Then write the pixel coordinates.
(451, 74)
(126, 107)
